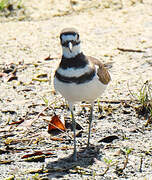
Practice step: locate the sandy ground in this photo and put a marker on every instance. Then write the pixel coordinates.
(27, 39)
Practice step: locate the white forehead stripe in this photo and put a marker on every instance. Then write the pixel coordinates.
(70, 72)
(69, 37)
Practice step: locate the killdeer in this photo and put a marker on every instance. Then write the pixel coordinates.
(79, 77)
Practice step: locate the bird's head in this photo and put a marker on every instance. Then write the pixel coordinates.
(70, 42)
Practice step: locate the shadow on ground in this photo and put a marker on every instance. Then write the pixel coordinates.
(63, 166)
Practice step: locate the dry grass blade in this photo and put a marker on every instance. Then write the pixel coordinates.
(144, 99)
(141, 164)
(130, 50)
(47, 106)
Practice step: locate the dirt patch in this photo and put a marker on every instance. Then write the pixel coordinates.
(117, 33)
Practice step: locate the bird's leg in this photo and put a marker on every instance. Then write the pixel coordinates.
(74, 133)
(90, 122)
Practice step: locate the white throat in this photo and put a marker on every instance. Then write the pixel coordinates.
(70, 54)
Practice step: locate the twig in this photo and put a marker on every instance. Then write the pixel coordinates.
(107, 169)
(120, 170)
(115, 101)
(131, 50)
(141, 163)
(38, 116)
(49, 58)
(148, 121)
(42, 112)
(125, 163)
(133, 97)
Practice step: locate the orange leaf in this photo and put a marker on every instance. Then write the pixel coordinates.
(56, 123)
(17, 122)
(56, 139)
(36, 153)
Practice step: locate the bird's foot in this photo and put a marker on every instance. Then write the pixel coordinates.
(73, 157)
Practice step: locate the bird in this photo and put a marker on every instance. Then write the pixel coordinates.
(79, 77)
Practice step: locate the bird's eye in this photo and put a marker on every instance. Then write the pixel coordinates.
(65, 43)
(75, 43)
(77, 36)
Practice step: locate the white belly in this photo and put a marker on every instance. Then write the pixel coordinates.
(73, 92)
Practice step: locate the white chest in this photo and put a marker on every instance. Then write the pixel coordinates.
(87, 91)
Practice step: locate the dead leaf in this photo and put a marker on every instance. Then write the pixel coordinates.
(48, 58)
(44, 75)
(126, 112)
(26, 90)
(55, 124)
(56, 139)
(34, 171)
(6, 161)
(36, 153)
(40, 80)
(10, 77)
(17, 122)
(109, 139)
(131, 50)
(9, 111)
(40, 158)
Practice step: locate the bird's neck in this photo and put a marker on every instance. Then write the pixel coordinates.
(78, 61)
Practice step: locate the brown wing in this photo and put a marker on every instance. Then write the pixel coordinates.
(102, 72)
